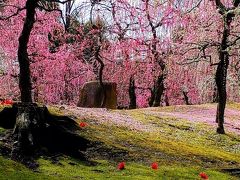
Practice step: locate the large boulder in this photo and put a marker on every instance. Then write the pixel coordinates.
(93, 96)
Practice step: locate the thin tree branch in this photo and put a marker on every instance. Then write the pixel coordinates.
(19, 9)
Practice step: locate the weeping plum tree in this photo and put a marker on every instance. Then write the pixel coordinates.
(33, 125)
(227, 15)
(218, 37)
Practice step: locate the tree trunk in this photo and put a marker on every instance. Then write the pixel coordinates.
(132, 94)
(159, 89)
(167, 100)
(186, 99)
(215, 95)
(22, 129)
(221, 75)
(23, 59)
(98, 58)
(151, 99)
(68, 16)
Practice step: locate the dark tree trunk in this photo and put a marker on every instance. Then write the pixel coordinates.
(186, 99)
(157, 92)
(24, 63)
(167, 100)
(159, 89)
(100, 73)
(221, 75)
(22, 130)
(132, 94)
(26, 117)
(68, 16)
(151, 99)
(215, 95)
(96, 70)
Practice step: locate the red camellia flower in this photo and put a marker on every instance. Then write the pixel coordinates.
(155, 165)
(83, 124)
(203, 175)
(8, 102)
(121, 166)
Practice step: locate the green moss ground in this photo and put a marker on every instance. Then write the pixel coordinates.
(183, 149)
(104, 170)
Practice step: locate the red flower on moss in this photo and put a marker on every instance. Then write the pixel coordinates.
(203, 175)
(7, 102)
(155, 165)
(121, 166)
(82, 124)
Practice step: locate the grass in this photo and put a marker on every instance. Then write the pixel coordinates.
(107, 170)
(12, 170)
(198, 135)
(183, 149)
(2, 130)
(68, 168)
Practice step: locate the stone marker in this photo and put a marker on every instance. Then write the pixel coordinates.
(93, 96)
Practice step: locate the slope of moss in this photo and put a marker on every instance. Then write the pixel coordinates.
(182, 148)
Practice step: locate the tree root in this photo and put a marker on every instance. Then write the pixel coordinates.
(37, 132)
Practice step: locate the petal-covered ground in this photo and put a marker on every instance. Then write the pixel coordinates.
(204, 113)
(197, 113)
